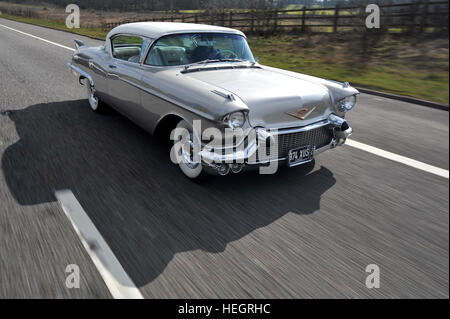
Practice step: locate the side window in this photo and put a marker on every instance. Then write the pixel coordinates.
(127, 47)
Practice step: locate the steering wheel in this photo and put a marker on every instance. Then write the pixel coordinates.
(223, 54)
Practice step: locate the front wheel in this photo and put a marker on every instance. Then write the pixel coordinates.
(186, 162)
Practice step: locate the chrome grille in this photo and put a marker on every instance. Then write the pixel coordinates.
(318, 137)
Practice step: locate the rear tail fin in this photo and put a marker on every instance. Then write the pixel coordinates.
(79, 43)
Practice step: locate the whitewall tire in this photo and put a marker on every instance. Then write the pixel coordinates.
(190, 168)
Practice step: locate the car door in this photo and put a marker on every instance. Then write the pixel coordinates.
(157, 81)
(125, 74)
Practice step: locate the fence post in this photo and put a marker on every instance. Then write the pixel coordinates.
(423, 21)
(336, 18)
(231, 19)
(275, 25)
(182, 18)
(304, 20)
(412, 14)
(252, 22)
(196, 18)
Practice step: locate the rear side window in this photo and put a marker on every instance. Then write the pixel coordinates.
(128, 47)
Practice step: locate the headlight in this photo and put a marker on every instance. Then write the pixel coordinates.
(347, 103)
(234, 120)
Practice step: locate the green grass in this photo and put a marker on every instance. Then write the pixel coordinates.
(294, 6)
(192, 11)
(396, 64)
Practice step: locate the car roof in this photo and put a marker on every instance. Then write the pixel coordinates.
(157, 29)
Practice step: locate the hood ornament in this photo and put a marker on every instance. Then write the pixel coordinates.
(302, 113)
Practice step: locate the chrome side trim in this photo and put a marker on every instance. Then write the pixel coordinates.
(78, 70)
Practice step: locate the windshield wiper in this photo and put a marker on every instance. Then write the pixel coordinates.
(207, 61)
(233, 60)
(187, 66)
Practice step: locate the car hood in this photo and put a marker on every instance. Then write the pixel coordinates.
(274, 99)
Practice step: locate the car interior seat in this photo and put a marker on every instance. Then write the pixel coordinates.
(170, 55)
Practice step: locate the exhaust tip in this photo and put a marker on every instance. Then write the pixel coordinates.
(236, 168)
(223, 169)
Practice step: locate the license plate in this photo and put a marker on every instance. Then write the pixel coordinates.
(300, 155)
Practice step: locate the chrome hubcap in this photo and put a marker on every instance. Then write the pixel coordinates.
(187, 154)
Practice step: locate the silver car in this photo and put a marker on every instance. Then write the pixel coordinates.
(200, 86)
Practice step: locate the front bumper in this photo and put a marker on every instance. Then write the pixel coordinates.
(338, 128)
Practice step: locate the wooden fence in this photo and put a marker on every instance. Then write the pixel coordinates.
(418, 16)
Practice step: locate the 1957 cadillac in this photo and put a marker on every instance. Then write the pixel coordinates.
(166, 75)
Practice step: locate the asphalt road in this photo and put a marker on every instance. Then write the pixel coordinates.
(296, 234)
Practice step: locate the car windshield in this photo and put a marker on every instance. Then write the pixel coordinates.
(188, 48)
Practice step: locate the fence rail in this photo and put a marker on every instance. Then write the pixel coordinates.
(418, 16)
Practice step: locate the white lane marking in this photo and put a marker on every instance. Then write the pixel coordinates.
(117, 280)
(377, 151)
(398, 158)
(38, 38)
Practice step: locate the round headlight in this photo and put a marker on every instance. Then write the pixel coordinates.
(235, 120)
(347, 103)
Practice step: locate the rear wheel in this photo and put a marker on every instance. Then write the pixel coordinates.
(94, 102)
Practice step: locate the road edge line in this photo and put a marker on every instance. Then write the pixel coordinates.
(38, 38)
(116, 279)
(399, 158)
